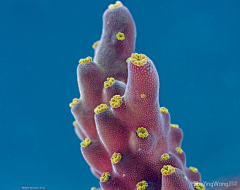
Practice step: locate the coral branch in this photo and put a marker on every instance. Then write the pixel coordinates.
(128, 139)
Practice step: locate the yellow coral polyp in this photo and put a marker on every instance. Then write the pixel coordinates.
(142, 132)
(117, 4)
(109, 82)
(138, 59)
(86, 60)
(104, 177)
(95, 44)
(128, 60)
(165, 156)
(100, 108)
(193, 169)
(120, 36)
(116, 157)
(199, 186)
(86, 142)
(75, 124)
(143, 95)
(142, 185)
(179, 150)
(116, 101)
(167, 169)
(174, 126)
(93, 188)
(74, 102)
(163, 110)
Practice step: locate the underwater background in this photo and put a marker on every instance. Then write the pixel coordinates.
(194, 45)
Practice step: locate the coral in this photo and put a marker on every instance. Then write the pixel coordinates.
(105, 177)
(120, 36)
(116, 157)
(165, 156)
(86, 142)
(86, 60)
(109, 82)
(128, 139)
(142, 185)
(199, 186)
(95, 44)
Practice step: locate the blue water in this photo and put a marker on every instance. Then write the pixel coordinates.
(194, 45)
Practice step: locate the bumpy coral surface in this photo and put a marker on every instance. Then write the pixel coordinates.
(128, 139)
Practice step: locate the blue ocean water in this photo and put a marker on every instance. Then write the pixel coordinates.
(194, 45)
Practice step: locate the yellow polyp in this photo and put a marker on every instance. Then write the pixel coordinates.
(142, 185)
(86, 60)
(142, 132)
(116, 101)
(163, 110)
(75, 124)
(199, 186)
(109, 82)
(116, 157)
(165, 156)
(86, 142)
(167, 170)
(74, 102)
(100, 108)
(174, 126)
(138, 59)
(93, 188)
(143, 95)
(104, 177)
(95, 44)
(193, 169)
(128, 60)
(179, 150)
(120, 36)
(117, 4)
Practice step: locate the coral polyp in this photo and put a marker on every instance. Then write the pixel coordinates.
(138, 59)
(86, 60)
(142, 185)
(128, 139)
(116, 101)
(116, 157)
(120, 36)
(167, 170)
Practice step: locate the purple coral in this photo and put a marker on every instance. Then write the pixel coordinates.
(127, 138)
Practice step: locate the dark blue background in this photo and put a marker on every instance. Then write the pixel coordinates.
(194, 45)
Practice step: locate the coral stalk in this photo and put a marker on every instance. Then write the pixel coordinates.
(128, 139)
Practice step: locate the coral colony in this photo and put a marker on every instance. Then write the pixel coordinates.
(127, 138)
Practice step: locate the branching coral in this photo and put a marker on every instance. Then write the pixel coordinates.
(128, 139)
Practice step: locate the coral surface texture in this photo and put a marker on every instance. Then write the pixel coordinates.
(127, 138)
